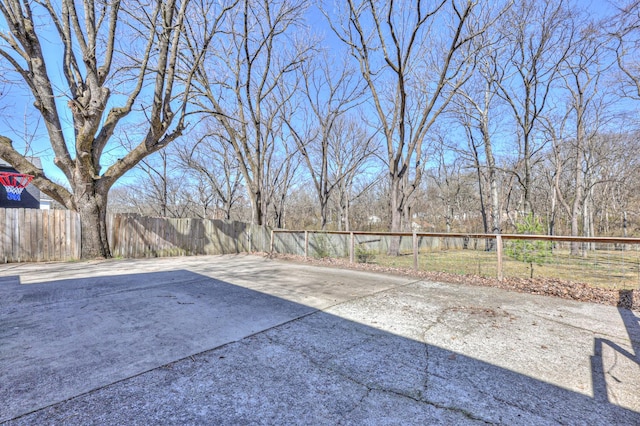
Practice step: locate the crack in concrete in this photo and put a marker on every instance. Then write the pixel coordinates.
(345, 416)
(325, 357)
(576, 327)
(513, 404)
(428, 375)
(369, 388)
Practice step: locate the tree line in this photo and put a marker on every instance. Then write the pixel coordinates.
(450, 115)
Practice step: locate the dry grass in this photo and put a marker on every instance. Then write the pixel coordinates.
(608, 269)
(566, 289)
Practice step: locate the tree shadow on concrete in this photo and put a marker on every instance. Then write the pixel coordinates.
(179, 347)
(632, 324)
(141, 236)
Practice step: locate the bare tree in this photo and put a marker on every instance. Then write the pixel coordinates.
(582, 72)
(157, 183)
(283, 176)
(103, 82)
(352, 153)
(317, 124)
(213, 164)
(556, 162)
(619, 196)
(538, 35)
(244, 82)
(476, 107)
(625, 30)
(408, 88)
(453, 189)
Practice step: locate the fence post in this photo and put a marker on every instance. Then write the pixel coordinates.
(499, 254)
(271, 243)
(415, 251)
(306, 244)
(352, 245)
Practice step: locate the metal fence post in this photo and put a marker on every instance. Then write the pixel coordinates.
(306, 244)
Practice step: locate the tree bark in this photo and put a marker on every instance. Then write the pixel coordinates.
(493, 191)
(257, 213)
(578, 199)
(397, 214)
(93, 224)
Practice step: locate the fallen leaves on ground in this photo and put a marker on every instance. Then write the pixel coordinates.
(564, 289)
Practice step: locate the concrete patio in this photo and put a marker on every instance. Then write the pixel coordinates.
(249, 340)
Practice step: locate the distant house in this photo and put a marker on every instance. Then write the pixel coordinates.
(374, 220)
(30, 197)
(422, 225)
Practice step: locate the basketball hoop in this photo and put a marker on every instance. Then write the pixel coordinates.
(14, 184)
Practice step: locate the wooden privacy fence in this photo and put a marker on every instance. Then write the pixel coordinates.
(139, 236)
(31, 235)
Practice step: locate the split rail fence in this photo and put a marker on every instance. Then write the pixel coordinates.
(609, 262)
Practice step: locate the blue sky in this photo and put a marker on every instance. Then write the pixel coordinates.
(20, 120)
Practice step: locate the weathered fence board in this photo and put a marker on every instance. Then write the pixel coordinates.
(138, 236)
(29, 235)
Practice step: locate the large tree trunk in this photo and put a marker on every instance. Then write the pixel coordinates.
(343, 205)
(341, 219)
(495, 201)
(323, 212)
(528, 206)
(578, 176)
(490, 221)
(93, 224)
(345, 216)
(575, 227)
(256, 207)
(552, 216)
(397, 213)
(493, 191)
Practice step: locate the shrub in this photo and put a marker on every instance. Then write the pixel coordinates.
(364, 255)
(527, 251)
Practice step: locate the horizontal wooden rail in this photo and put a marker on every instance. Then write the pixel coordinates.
(603, 240)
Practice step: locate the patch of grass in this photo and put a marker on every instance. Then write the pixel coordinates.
(609, 269)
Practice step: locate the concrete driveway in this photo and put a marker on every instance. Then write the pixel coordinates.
(248, 340)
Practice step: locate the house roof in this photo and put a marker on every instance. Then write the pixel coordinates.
(34, 160)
